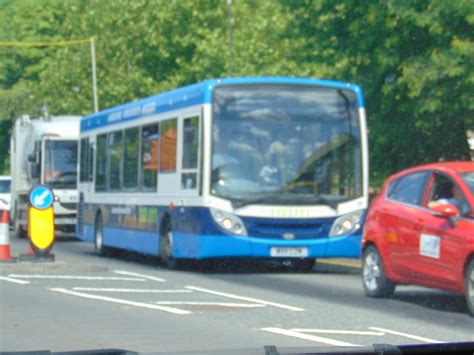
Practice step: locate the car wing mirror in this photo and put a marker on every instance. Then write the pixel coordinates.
(448, 211)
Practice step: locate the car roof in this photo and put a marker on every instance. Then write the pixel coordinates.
(458, 166)
(452, 166)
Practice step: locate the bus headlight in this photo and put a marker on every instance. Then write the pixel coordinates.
(346, 224)
(228, 221)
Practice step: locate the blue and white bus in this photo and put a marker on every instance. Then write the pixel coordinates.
(253, 167)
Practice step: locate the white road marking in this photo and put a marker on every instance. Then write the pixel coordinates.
(121, 272)
(221, 304)
(129, 290)
(314, 338)
(330, 331)
(74, 277)
(21, 282)
(410, 336)
(121, 301)
(254, 300)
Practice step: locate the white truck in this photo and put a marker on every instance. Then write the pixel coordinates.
(44, 151)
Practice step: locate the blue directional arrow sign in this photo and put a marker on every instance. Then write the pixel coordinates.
(41, 197)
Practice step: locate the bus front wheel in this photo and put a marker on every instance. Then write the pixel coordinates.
(166, 251)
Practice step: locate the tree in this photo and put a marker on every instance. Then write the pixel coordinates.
(414, 61)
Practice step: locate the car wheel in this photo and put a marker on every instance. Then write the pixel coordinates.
(376, 283)
(469, 287)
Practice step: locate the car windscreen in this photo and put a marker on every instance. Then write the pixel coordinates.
(469, 180)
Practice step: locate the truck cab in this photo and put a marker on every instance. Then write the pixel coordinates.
(44, 151)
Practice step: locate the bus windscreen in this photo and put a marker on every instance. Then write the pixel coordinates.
(286, 144)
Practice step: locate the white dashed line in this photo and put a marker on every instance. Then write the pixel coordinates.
(313, 338)
(21, 282)
(74, 277)
(254, 300)
(121, 272)
(410, 336)
(330, 331)
(121, 301)
(220, 304)
(128, 290)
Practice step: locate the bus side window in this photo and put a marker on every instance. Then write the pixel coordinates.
(84, 159)
(169, 139)
(101, 163)
(131, 158)
(190, 152)
(149, 157)
(115, 153)
(90, 163)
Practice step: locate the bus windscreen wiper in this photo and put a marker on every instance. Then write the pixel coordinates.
(293, 199)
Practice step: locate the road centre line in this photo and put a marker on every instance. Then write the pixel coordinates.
(254, 300)
(314, 338)
(410, 336)
(21, 282)
(74, 277)
(121, 301)
(221, 304)
(121, 272)
(344, 332)
(128, 290)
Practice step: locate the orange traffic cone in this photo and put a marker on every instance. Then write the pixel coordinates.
(4, 237)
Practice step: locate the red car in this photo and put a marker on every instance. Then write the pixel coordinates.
(420, 230)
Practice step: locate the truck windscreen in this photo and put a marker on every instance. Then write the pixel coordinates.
(60, 165)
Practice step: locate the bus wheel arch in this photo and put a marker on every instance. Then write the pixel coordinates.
(166, 242)
(166, 246)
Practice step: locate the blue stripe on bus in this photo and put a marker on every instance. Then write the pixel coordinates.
(206, 240)
(194, 246)
(196, 94)
(140, 241)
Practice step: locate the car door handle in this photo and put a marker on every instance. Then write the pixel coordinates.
(419, 224)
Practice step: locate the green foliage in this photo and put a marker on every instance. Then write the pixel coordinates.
(412, 58)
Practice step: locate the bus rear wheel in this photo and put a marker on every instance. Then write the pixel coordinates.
(99, 236)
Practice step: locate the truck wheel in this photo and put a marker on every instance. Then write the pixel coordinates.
(469, 287)
(376, 283)
(18, 230)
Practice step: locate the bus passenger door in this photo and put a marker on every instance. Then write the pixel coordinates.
(190, 154)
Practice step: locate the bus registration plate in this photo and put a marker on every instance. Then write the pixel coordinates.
(288, 252)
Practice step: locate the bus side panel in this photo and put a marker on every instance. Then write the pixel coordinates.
(196, 235)
(129, 239)
(346, 246)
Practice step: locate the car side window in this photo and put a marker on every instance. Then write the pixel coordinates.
(444, 191)
(409, 188)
